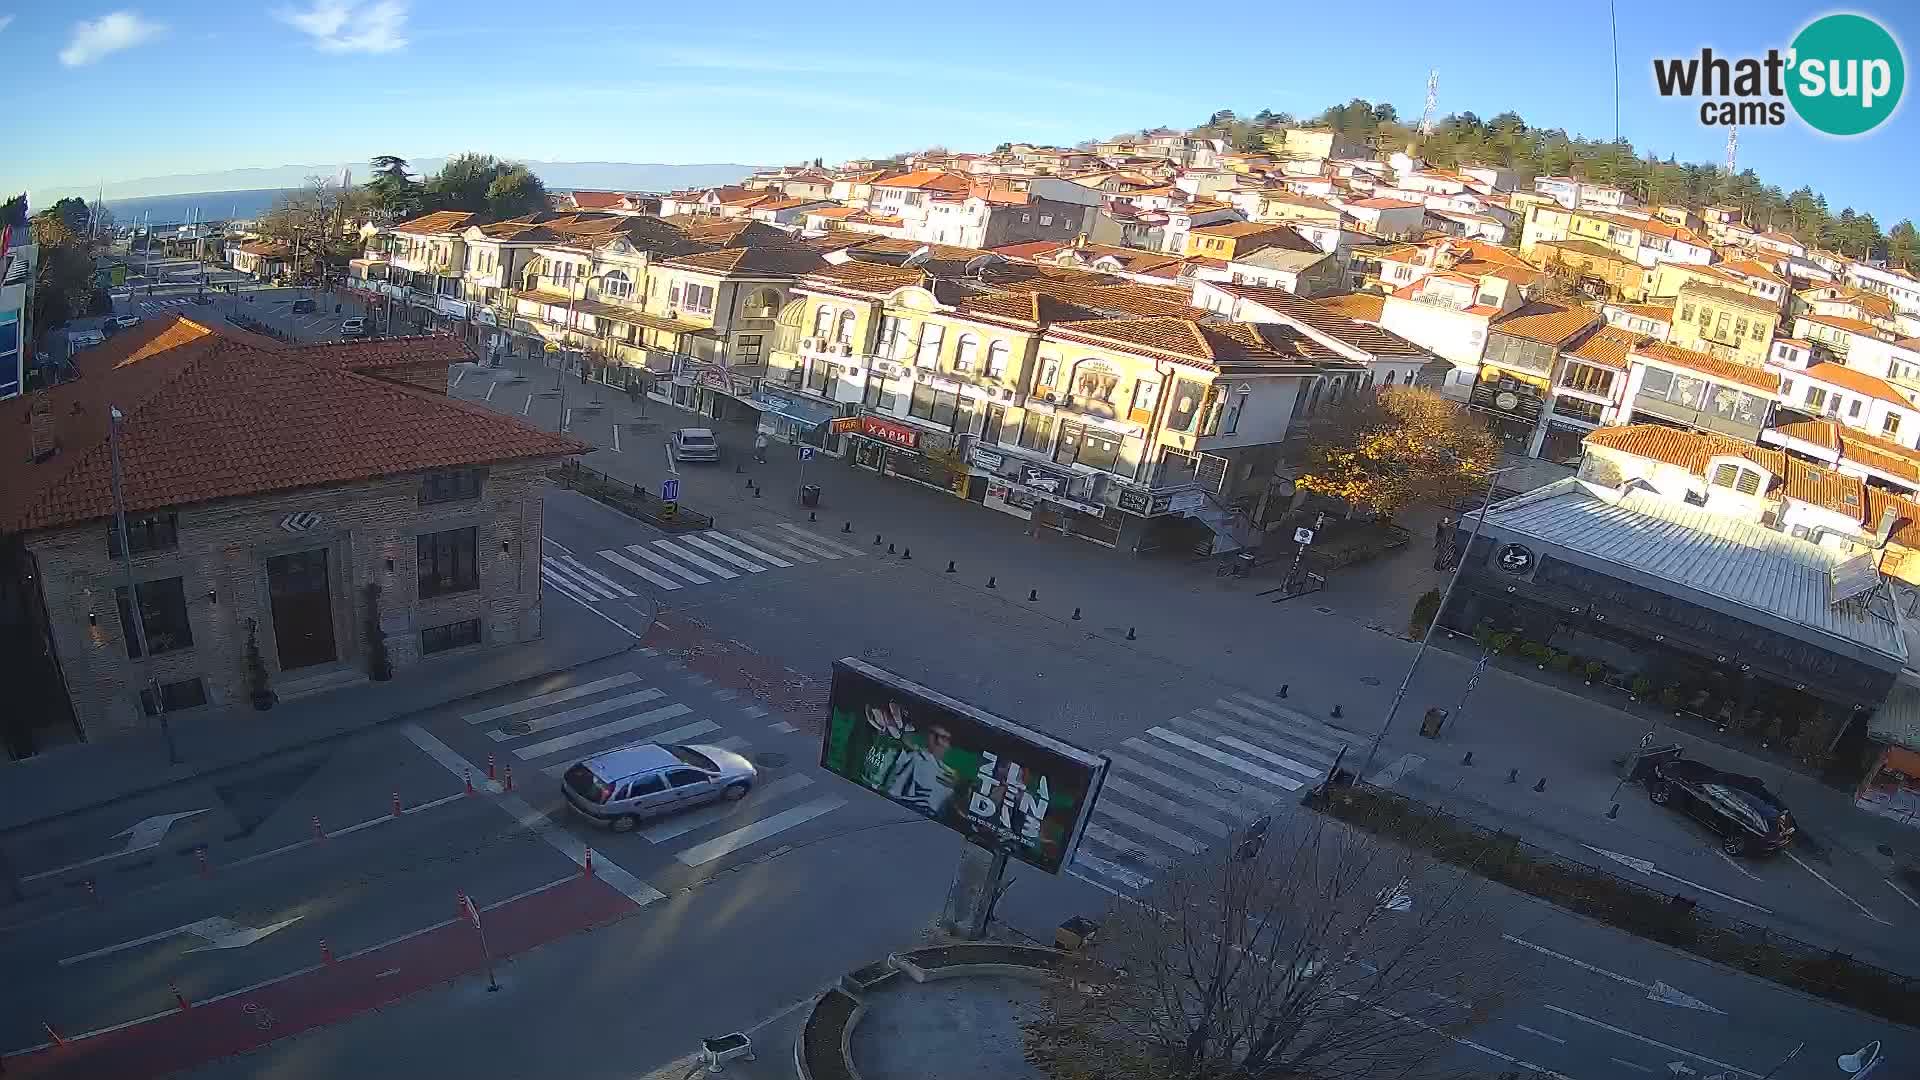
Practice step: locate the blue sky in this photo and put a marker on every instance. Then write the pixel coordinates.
(118, 89)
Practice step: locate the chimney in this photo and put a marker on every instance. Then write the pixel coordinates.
(1884, 530)
(40, 419)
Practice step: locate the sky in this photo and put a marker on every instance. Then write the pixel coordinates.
(112, 90)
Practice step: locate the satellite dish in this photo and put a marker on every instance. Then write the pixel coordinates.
(918, 257)
(980, 264)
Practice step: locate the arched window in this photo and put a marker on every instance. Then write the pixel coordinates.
(843, 329)
(822, 319)
(965, 352)
(1391, 376)
(997, 359)
(616, 284)
(763, 303)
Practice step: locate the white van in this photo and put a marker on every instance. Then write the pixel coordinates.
(83, 339)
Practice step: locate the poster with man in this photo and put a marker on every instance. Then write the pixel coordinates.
(1003, 786)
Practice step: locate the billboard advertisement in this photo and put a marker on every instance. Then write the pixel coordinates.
(1003, 786)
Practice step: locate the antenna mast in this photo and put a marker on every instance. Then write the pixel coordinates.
(1433, 101)
(1733, 148)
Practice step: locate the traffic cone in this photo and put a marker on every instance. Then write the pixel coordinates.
(326, 952)
(468, 774)
(586, 866)
(490, 775)
(509, 780)
(180, 997)
(396, 804)
(318, 832)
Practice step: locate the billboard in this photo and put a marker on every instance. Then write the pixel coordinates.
(1003, 786)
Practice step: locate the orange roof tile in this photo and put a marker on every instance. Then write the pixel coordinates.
(209, 418)
(1841, 322)
(1858, 382)
(1656, 312)
(1710, 365)
(1608, 347)
(1220, 346)
(1826, 488)
(1691, 450)
(1546, 323)
(1739, 297)
(1363, 306)
(927, 180)
(792, 259)
(440, 221)
(1820, 432)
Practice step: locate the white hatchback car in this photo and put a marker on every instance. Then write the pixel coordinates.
(694, 444)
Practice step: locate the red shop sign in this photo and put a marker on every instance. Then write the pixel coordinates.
(889, 432)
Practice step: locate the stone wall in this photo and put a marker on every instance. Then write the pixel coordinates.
(369, 530)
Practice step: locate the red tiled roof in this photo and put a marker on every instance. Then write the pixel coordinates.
(1822, 433)
(1609, 347)
(1826, 488)
(440, 221)
(1841, 322)
(1335, 324)
(1690, 450)
(1548, 324)
(380, 353)
(927, 180)
(1032, 249)
(1220, 346)
(752, 260)
(1363, 306)
(1710, 365)
(208, 418)
(1858, 382)
(598, 200)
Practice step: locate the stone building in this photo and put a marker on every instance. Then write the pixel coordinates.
(316, 504)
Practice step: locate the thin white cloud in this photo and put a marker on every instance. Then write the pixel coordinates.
(5, 21)
(95, 38)
(351, 25)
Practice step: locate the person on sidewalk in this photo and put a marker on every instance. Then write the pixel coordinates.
(760, 447)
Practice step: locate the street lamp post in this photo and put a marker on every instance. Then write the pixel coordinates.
(1480, 519)
(136, 623)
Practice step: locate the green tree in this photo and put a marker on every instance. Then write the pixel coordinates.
(75, 214)
(515, 192)
(1903, 245)
(393, 194)
(63, 286)
(467, 182)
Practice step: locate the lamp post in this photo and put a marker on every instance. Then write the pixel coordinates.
(136, 623)
(1480, 519)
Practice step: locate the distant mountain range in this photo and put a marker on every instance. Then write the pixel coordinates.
(558, 175)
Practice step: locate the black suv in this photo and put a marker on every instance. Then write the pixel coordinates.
(1750, 819)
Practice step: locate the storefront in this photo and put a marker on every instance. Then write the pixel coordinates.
(716, 393)
(1569, 421)
(909, 453)
(1048, 497)
(789, 417)
(1511, 406)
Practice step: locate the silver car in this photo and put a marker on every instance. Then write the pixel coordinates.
(694, 444)
(621, 788)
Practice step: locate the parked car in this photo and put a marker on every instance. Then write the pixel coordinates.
(354, 327)
(1750, 819)
(694, 444)
(121, 322)
(84, 339)
(621, 788)
(303, 305)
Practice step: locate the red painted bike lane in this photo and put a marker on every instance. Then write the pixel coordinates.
(241, 1021)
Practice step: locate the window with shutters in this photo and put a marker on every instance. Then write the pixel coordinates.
(1749, 482)
(1725, 475)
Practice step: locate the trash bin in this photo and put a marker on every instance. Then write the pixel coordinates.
(1431, 723)
(810, 495)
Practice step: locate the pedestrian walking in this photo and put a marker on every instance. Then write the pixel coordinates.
(1443, 532)
(760, 447)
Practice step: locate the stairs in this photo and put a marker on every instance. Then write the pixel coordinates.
(1232, 529)
(322, 680)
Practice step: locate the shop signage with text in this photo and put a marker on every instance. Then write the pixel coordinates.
(889, 432)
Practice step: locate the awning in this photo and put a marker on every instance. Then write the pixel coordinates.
(793, 407)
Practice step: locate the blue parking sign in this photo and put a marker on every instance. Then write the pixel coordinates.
(806, 453)
(670, 489)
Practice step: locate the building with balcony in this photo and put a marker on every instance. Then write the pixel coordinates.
(1733, 325)
(1587, 391)
(1515, 378)
(1695, 391)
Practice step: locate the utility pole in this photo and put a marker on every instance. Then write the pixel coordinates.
(136, 620)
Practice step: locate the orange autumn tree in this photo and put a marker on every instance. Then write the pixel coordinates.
(1383, 453)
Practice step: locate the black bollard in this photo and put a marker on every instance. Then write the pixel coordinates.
(1513, 776)
(1542, 785)
(1076, 614)
(1283, 689)
(950, 568)
(847, 528)
(876, 539)
(990, 583)
(889, 549)
(1337, 714)
(906, 553)
(1613, 812)
(1033, 594)
(756, 493)
(811, 516)
(736, 468)
(1130, 633)
(1468, 760)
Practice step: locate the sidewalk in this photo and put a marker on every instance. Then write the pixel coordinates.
(83, 776)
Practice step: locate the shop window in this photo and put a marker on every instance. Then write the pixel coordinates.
(174, 696)
(1036, 432)
(438, 639)
(147, 532)
(937, 406)
(449, 562)
(996, 419)
(163, 616)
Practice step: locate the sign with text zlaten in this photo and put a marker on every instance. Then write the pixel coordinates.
(1003, 786)
(889, 432)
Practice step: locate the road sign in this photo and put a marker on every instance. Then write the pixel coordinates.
(806, 453)
(670, 489)
(1303, 536)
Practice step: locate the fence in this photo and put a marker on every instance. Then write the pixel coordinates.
(1626, 905)
(630, 498)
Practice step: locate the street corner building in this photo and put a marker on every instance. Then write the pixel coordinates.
(296, 519)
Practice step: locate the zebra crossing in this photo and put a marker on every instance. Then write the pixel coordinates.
(551, 731)
(167, 302)
(1196, 779)
(688, 560)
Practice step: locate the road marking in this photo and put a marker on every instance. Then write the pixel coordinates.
(1132, 879)
(1823, 880)
(491, 387)
(723, 554)
(527, 405)
(682, 553)
(818, 540)
(1185, 789)
(596, 576)
(719, 537)
(779, 546)
(672, 465)
(1646, 866)
(1288, 726)
(616, 445)
(1731, 861)
(637, 570)
(1231, 785)
(1636, 1066)
(782, 726)
(694, 820)
(1223, 758)
(728, 843)
(1270, 758)
(1541, 1034)
(554, 569)
(667, 564)
(1143, 824)
(1569, 1013)
(1127, 789)
(1212, 724)
(1904, 895)
(584, 712)
(1121, 844)
(1656, 990)
(540, 701)
(600, 731)
(219, 932)
(141, 835)
(557, 838)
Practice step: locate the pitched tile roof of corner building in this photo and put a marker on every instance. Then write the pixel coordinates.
(927, 180)
(439, 221)
(1608, 347)
(1858, 382)
(1225, 347)
(1128, 299)
(1658, 312)
(1826, 488)
(1365, 307)
(1547, 323)
(1335, 324)
(1029, 309)
(1850, 325)
(1725, 295)
(1726, 370)
(1031, 249)
(208, 418)
(752, 260)
(1906, 521)
(376, 354)
(1690, 450)
(1822, 433)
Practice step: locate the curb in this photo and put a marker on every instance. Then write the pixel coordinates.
(321, 740)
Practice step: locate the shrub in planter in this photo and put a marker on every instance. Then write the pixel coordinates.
(1595, 671)
(1670, 697)
(1642, 686)
(1560, 661)
(1484, 636)
(1425, 610)
(1500, 643)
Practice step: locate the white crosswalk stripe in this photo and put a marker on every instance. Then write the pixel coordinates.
(553, 727)
(704, 544)
(548, 575)
(667, 564)
(774, 544)
(689, 559)
(817, 540)
(554, 570)
(637, 570)
(684, 555)
(750, 551)
(595, 576)
(1194, 780)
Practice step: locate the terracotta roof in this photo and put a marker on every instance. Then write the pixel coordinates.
(1026, 308)
(875, 278)
(1608, 347)
(1752, 268)
(753, 260)
(597, 200)
(1826, 488)
(377, 354)
(1691, 450)
(1548, 324)
(1841, 322)
(440, 221)
(927, 179)
(1822, 433)
(1723, 295)
(1220, 346)
(1032, 249)
(1127, 299)
(1710, 365)
(1906, 522)
(1858, 382)
(1363, 306)
(268, 249)
(1335, 324)
(1656, 312)
(209, 418)
(1865, 452)
(1588, 248)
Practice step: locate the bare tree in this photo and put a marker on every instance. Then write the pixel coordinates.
(316, 222)
(1307, 949)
